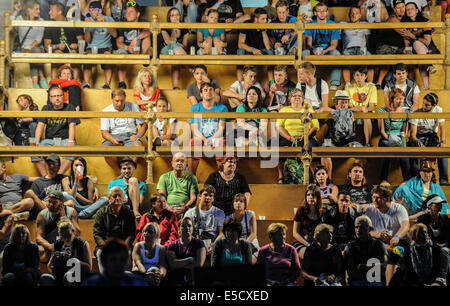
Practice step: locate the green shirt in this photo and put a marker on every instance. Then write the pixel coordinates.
(178, 190)
(241, 109)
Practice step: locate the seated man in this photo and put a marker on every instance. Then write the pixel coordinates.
(47, 223)
(121, 131)
(41, 187)
(323, 42)
(11, 199)
(409, 87)
(179, 186)
(134, 190)
(315, 90)
(206, 218)
(360, 192)
(206, 131)
(131, 41)
(283, 41)
(60, 130)
(114, 220)
(278, 89)
(340, 130)
(236, 92)
(255, 41)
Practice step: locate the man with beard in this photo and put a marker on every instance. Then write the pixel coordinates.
(356, 186)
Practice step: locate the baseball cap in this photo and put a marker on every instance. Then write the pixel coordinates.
(394, 4)
(434, 199)
(54, 158)
(129, 160)
(341, 94)
(56, 194)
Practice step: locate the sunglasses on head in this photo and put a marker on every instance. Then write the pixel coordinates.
(131, 3)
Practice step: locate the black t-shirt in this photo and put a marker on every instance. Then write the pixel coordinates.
(228, 9)
(42, 186)
(254, 38)
(359, 194)
(179, 39)
(343, 224)
(129, 34)
(59, 35)
(58, 127)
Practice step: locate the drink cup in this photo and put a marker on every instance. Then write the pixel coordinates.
(32, 141)
(408, 50)
(94, 50)
(81, 46)
(192, 50)
(319, 51)
(214, 51)
(57, 141)
(262, 217)
(363, 50)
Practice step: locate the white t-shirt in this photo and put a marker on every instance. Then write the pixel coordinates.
(239, 86)
(426, 125)
(121, 125)
(391, 220)
(311, 93)
(355, 37)
(307, 10)
(210, 220)
(160, 125)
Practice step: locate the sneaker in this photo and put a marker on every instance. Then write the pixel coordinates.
(106, 86)
(378, 86)
(367, 145)
(431, 69)
(122, 85)
(36, 86)
(86, 85)
(44, 83)
(21, 216)
(333, 87)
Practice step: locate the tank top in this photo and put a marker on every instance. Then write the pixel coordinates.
(324, 191)
(150, 262)
(51, 223)
(84, 192)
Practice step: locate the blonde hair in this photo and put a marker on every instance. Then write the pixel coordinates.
(65, 225)
(321, 227)
(275, 227)
(308, 67)
(138, 87)
(155, 227)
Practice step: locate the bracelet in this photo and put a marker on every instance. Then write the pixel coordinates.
(55, 46)
(307, 244)
(251, 51)
(96, 189)
(137, 135)
(38, 141)
(217, 3)
(137, 37)
(75, 185)
(397, 236)
(189, 259)
(72, 141)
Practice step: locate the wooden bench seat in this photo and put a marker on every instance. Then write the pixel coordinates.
(75, 58)
(230, 59)
(414, 59)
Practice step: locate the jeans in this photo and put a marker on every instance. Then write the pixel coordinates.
(335, 78)
(263, 51)
(51, 142)
(191, 11)
(86, 211)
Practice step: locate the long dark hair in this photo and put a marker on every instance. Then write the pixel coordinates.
(321, 167)
(316, 192)
(84, 180)
(259, 105)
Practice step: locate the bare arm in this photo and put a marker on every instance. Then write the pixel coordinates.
(137, 258)
(296, 235)
(40, 230)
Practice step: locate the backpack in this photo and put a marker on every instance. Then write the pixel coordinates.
(343, 125)
(9, 128)
(318, 88)
(293, 170)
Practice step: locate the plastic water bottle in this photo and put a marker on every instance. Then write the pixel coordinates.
(171, 49)
(80, 170)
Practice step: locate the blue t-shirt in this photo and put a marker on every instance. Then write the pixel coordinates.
(119, 182)
(216, 33)
(323, 38)
(278, 33)
(208, 126)
(100, 36)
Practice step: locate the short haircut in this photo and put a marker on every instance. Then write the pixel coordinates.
(364, 219)
(282, 3)
(281, 68)
(113, 246)
(351, 8)
(344, 191)
(206, 84)
(319, 5)
(258, 12)
(208, 189)
(415, 229)
(118, 92)
(64, 67)
(114, 189)
(154, 197)
(248, 68)
(308, 67)
(322, 227)
(233, 225)
(400, 67)
(212, 11)
(200, 66)
(275, 227)
(239, 196)
(395, 92)
(54, 87)
(222, 161)
(361, 69)
(383, 191)
(59, 6)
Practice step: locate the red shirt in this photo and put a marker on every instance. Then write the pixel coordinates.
(168, 226)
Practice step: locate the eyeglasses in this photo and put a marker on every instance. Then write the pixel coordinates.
(131, 3)
(56, 96)
(115, 196)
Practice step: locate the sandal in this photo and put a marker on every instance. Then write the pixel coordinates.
(280, 180)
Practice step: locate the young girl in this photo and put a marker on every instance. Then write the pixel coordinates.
(27, 126)
(209, 38)
(328, 190)
(146, 91)
(163, 129)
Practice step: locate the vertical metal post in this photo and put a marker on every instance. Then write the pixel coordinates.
(447, 52)
(2, 64)
(300, 29)
(150, 155)
(8, 29)
(306, 158)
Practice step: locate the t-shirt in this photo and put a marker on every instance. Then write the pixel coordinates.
(58, 127)
(311, 93)
(124, 186)
(359, 194)
(392, 126)
(354, 37)
(238, 86)
(241, 109)
(184, 251)
(179, 39)
(209, 222)
(306, 224)
(11, 188)
(59, 35)
(194, 91)
(216, 33)
(208, 126)
(226, 190)
(427, 125)
(281, 93)
(228, 9)
(416, 90)
(129, 34)
(121, 125)
(43, 186)
(246, 223)
(178, 191)
(295, 127)
(277, 34)
(162, 126)
(391, 220)
(281, 267)
(253, 37)
(100, 36)
(322, 38)
(362, 96)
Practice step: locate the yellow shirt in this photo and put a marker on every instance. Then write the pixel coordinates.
(295, 126)
(362, 96)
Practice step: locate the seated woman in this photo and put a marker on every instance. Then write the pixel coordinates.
(281, 259)
(248, 221)
(69, 246)
(323, 262)
(232, 249)
(416, 189)
(79, 188)
(251, 130)
(184, 254)
(27, 126)
(393, 133)
(227, 183)
(207, 39)
(292, 130)
(149, 257)
(20, 259)
(423, 263)
(70, 86)
(328, 190)
(146, 91)
(163, 129)
(175, 42)
(167, 220)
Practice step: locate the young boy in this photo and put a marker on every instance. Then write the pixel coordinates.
(363, 98)
(236, 92)
(278, 89)
(316, 96)
(200, 74)
(408, 86)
